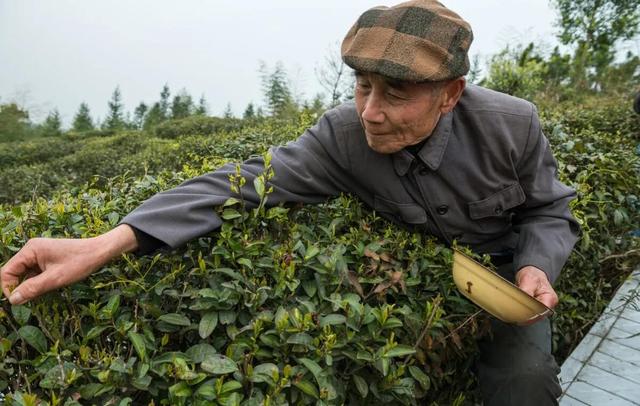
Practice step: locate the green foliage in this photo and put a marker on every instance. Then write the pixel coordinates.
(82, 121)
(52, 126)
(516, 73)
(594, 27)
(313, 304)
(596, 148)
(199, 125)
(182, 105)
(139, 115)
(14, 123)
(277, 93)
(115, 116)
(298, 306)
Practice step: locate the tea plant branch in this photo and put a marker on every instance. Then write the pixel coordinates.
(623, 255)
(467, 320)
(427, 326)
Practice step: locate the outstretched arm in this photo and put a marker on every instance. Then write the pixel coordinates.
(307, 170)
(50, 263)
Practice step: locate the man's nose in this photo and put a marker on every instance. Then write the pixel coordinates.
(373, 111)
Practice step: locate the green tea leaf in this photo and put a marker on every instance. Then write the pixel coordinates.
(230, 386)
(264, 373)
(199, 352)
(313, 367)
(95, 332)
(34, 337)
(301, 339)
(361, 385)
(400, 351)
(219, 365)
(208, 323)
(308, 388)
(230, 214)
(138, 344)
(420, 376)
(175, 319)
(21, 313)
(332, 319)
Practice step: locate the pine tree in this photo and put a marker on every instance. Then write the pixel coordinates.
(115, 116)
(82, 120)
(52, 126)
(277, 93)
(228, 111)
(164, 102)
(202, 108)
(249, 112)
(139, 116)
(182, 105)
(154, 117)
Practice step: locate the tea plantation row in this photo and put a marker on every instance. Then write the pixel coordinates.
(323, 304)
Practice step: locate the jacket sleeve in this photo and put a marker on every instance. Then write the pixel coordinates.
(547, 230)
(308, 170)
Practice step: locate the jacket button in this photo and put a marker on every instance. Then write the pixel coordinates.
(423, 171)
(498, 209)
(442, 210)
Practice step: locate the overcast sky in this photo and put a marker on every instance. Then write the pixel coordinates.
(58, 53)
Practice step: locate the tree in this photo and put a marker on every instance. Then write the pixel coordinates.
(164, 102)
(82, 120)
(182, 105)
(228, 111)
(115, 116)
(14, 122)
(139, 115)
(594, 27)
(202, 108)
(153, 117)
(52, 126)
(249, 112)
(335, 78)
(276, 90)
(518, 72)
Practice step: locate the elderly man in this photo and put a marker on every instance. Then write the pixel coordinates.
(458, 162)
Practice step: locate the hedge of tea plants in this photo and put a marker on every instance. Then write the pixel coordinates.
(314, 305)
(324, 304)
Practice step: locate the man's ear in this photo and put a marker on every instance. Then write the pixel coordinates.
(451, 93)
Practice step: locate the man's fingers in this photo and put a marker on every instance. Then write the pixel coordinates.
(34, 287)
(548, 298)
(11, 273)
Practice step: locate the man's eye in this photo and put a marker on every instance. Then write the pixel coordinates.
(395, 96)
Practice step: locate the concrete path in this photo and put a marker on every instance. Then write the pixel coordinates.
(605, 367)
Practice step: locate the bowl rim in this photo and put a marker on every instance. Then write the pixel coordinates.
(548, 311)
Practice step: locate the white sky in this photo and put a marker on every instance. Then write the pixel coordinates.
(58, 53)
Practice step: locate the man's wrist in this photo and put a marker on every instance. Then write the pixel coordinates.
(114, 243)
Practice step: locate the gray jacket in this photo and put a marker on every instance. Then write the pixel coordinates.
(485, 177)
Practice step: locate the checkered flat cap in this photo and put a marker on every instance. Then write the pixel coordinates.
(415, 41)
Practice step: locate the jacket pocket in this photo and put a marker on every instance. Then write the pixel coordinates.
(409, 213)
(498, 203)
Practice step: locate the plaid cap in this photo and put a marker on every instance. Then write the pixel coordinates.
(415, 41)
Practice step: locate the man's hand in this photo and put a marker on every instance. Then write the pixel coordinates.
(536, 283)
(47, 264)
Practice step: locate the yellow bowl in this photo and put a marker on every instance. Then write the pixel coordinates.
(493, 293)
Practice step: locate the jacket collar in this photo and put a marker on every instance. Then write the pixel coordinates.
(431, 152)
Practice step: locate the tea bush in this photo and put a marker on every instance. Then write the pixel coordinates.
(323, 304)
(198, 125)
(40, 167)
(313, 305)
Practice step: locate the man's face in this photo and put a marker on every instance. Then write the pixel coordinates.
(397, 114)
